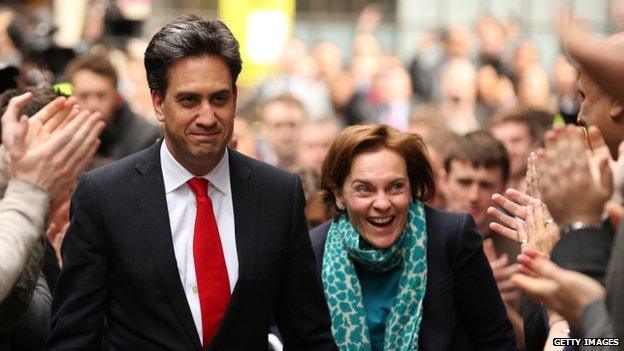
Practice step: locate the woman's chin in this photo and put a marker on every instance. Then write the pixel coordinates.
(381, 238)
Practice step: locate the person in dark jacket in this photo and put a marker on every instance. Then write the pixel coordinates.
(94, 84)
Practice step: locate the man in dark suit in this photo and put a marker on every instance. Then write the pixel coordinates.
(578, 298)
(188, 245)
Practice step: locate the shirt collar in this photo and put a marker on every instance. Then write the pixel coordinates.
(175, 175)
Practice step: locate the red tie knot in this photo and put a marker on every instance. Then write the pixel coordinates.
(199, 187)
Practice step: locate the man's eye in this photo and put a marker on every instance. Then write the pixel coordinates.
(187, 100)
(219, 100)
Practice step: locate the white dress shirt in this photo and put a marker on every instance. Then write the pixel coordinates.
(181, 205)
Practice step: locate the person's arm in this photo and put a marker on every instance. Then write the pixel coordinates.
(518, 325)
(44, 160)
(22, 219)
(477, 298)
(301, 312)
(535, 324)
(78, 306)
(585, 250)
(596, 321)
(4, 170)
(33, 328)
(557, 328)
(18, 301)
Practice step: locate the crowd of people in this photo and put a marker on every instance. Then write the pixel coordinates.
(463, 200)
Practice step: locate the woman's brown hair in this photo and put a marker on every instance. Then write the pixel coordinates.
(355, 140)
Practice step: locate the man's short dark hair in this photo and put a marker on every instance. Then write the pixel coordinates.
(480, 149)
(285, 99)
(537, 121)
(186, 36)
(41, 96)
(96, 63)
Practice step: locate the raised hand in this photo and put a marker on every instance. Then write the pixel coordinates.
(23, 132)
(54, 146)
(532, 188)
(565, 292)
(502, 271)
(537, 231)
(574, 182)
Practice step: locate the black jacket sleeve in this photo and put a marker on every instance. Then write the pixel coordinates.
(478, 301)
(78, 305)
(302, 315)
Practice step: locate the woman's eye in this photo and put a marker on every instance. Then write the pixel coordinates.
(398, 186)
(362, 189)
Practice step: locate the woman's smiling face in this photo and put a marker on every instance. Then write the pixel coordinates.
(377, 195)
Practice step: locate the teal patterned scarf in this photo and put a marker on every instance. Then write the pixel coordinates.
(344, 294)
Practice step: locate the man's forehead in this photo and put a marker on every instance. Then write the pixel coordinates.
(468, 168)
(279, 110)
(191, 72)
(505, 127)
(585, 82)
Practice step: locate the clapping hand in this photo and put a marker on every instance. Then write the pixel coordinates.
(536, 231)
(575, 182)
(54, 146)
(502, 271)
(563, 291)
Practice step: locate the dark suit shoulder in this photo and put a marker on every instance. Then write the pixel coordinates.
(318, 236)
(135, 132)
(125, 164)
(585, 250)
(443, 225)
(123, 170)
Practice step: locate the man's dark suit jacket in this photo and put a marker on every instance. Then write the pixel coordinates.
(605, 318)
(586, 251)
(126, 134)
(120, 288)
(462, 309)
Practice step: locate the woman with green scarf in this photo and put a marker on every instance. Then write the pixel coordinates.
(397, 274)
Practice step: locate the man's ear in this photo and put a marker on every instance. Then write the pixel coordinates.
(444, 177)
(616, 109)
(442, 180)
(235, 97)
(157, 102)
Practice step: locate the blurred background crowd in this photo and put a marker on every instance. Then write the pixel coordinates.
(439, 68)
(481, 81)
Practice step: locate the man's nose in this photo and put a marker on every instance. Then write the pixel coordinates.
(91, 103)
(206, 116)
(473, 192)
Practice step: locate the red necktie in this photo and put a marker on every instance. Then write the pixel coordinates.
(213, 284)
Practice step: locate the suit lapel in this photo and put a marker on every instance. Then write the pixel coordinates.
(245, 203)
(152, 203)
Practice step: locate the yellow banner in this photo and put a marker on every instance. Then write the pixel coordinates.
(262, 28)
